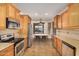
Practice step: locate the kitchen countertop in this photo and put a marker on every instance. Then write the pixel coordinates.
(5, 45)
(71, 41)
(40, 34)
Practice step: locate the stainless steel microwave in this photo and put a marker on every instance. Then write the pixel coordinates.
(12, 24)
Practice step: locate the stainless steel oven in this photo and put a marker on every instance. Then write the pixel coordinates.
(19, 48)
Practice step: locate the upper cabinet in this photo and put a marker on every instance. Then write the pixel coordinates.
(59, 22)
(13, 12)
(69, 19)
(74, 15)
(2, 16)
(65, 20)
(10, 11)
(58, 44)
(17, 15)
(56, 21)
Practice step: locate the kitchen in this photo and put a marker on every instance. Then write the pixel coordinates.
(63, 30)
(13, 30)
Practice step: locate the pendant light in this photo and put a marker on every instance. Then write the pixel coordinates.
(41, 22)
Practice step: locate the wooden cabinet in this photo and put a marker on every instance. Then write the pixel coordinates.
(9, 51)
(58, 45)
(69, 19)
(11, 11)
(7, 10)
(56, 21)
(59, 22)
(17, 15)
(64, 48)
(74, 15)
(65, 20)
(24, 28)
(2, 16)
(54, 41)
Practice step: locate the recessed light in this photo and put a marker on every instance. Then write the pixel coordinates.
(36, 14)
(46, 14)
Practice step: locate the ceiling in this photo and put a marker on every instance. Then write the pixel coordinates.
(45, 11)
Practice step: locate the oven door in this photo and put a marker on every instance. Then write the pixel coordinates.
(19, 48)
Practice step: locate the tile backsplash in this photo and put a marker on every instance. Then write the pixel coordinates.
(74, 34)
(8, 31)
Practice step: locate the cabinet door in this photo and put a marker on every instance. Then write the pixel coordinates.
(59, 22)
(54, 42)
(74, 15)
(59, 46)
(2, 16)
(56, 21)
(65, 20)
(10, 11)
(17, 15)
(9, 51)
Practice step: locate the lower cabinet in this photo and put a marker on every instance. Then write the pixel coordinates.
(64, 48)
(9, 51)
(58, 45)
(54, 41)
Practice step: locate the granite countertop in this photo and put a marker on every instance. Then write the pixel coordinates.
(5, 45)
(73, 42)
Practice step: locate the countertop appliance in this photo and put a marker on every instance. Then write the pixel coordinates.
(29, 43)
(19, 46)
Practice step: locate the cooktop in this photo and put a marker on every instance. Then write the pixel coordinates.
(12, 40)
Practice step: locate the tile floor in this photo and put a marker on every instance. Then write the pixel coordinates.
(43, 47)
